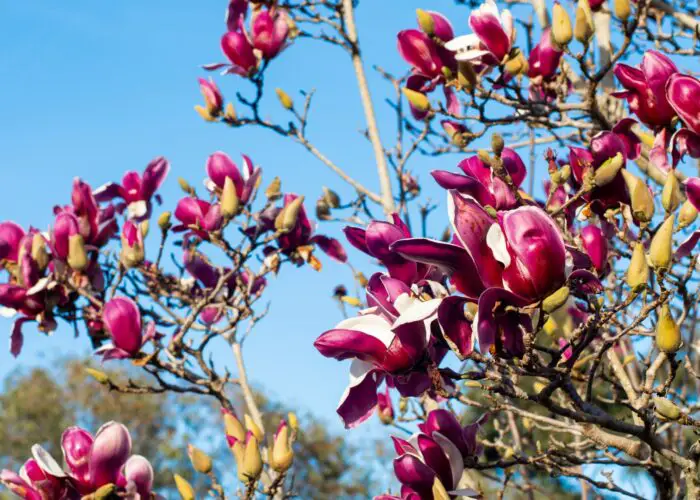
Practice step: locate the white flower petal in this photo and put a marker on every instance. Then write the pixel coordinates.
(137, 209)
(496, 241)
(453, 455)
(371, 324)
(7, 312)
(47, 463)
(462, 42)
(418, 311)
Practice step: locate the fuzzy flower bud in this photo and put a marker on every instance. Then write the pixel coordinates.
(638, 270)
(668, 333)
(201, 462)
(641, 199)
(417, 99)
(687, 215)
(583, 25)
(164, 221)
(671, 194)
(666, 409)
(608, 171)
(184, 488)
(273, 190)
(252, 461)
(282, 453)
(284, 99)
(251, 426)
(562, 32)
(287, 219)
(230, 203)
(660, 251)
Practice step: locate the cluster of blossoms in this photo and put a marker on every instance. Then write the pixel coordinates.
(49, 272)
(95, 467)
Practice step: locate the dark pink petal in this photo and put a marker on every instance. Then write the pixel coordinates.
(122, 319)
(630, 140)
(76, 444)
(10, 236)
(239, 51)
(442, 28)
(683, 142)
(16, 336)
(356, 236)
(688, 245)
(418, 50)
(456, 327)
(212, 219)
(153, 176)
(110, 450)
(584, 281)
(415, 474)
(579, 159)
(488, 327)
(514, 165)
(401, 446)
(412, 385)
(359, 401)
(465, 185)
(220, 166)
(692, 191)
(191, 211)
(435, 458)
(596, 245)
(444, 422)
(330, 247)
(683, 94)
(200, 269)
(345, 344)
(379, 236)
(631, 78)
(491, 33)
(269, 32)
(235, 14)
(454, 107)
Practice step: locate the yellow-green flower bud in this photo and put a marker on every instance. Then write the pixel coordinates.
(282, 453)
(39, 254)
(98, 375)
(284, 99)
(666, 409)
(608, 170)
(252, 461)
(562, 32)
(184, 488)
(230, 203)
(583, 25)
(417, 99)
(426, 22)
(164, 221)
(200, 461)
(466, 76)
(287, 219)
(668, 333)
(622, 9)
(638, 270)
(641, 199)
(660, 251)
(671, 195)
(687, 215)
(497, 144)
(273, 191)
(77, 255)
(556, 300)
(253, 427)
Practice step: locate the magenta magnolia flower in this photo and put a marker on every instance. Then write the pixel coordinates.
(479, 182)
(76, 444)
(421, 52)
(645, 88)
(10, 236)
(492, 38)
(138, 476)
(683, 94)
(122, 320)
(220, 166)
(136, 190)
(239, 51)
(439, 452)
(595, 243)
(212, 96)
(388, 341)
(198, 216)
(110, 451)
(543, 67)
(269, 30)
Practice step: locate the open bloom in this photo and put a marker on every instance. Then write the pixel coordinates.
(220, 166)
(198, 216)
(96, 225)
(389, 340)
(683, 94)
(492, 38)
(437, 453)
(269, 30)
(645, 88)
(122, 319)
(480, 182)
(136, 190)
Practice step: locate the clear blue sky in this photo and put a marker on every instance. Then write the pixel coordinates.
(92, 89)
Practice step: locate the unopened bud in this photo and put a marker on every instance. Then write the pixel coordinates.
(687, 215)
(184, 185)
(351, 301)
(516, 63)
(230, 112)
(608, 170)
(323, 211)
(230, 203)
(641, 199)
(556, 300)
(284, 99)
(538, 386)
(282, 453)
(622, 9)
(253, 427)
(417, 99)
(77, 255)
(666, 409)
(204, 113)
(660, 251)
(184, 488)
(293, 421)
(233, 426)
(361, 279)
(287, 219)
(671, 195)
(668, 333)
(565, 173)
(497, 144)
(562, 32)
(484, 156)
(272, 192)
(39, 254)
(98, 375)
(466, 76)
(331, 197)
(164, 221)
(252, 461)
(583, 27)
(105, 491)
(638, 270)
(200, 461)
(426, 22)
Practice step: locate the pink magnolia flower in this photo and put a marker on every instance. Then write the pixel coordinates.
(390, 340)
(239, 51)
(122, 319)
(10, 236)
(480, 182)
(543, 66)
(138, 475)
(645, 88)
(683, 94)
(76, 444)
(110, 451)
(492, 38)
(269, 31)
(595, 243)
(212, 96)
(136, 190)
(198, 216)
(220, 166)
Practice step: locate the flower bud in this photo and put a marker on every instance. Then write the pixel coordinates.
(562, 31)
(233, 426)
(230, 112)
(641, 199)
(417, 99)
(439, 491)
(466, 76)
(201, 462)
(351, 301)
(39, 253)
(331, 197)
(164, 221)
(565, 173)
(184, 488)
(660, 251)
(104, 492)
(98, 375)
(282, 453)
(668, 333)
(497, 144)
(284, 99)
(110, 450)
(671, 194)
(638, 270)
(622, 9)
(252, 461)
(273, 190)
(229, 199)
(666, 409)
(425, 22)
(323, 211)
(184, 185)
(293, 421)
(287, 219)
(516, 63)
(687, 215)
(139, 473)
(556, 300)
(608, 170)
(77, 255)
(204, 113)
(251, 426)
(583, 25)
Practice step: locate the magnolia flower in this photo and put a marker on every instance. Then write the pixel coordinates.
(595, 243)
(389, 340)
(269, 30)
(436, 454)
(239, 51)
(385, 410)
(683, 94)
(645, 88)
(220, 166)
(10, 236)
(480, 182)
(492, 38)
(212, 97)
(543, 66)
(122, 319)
(198, 216)
(136, 190)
